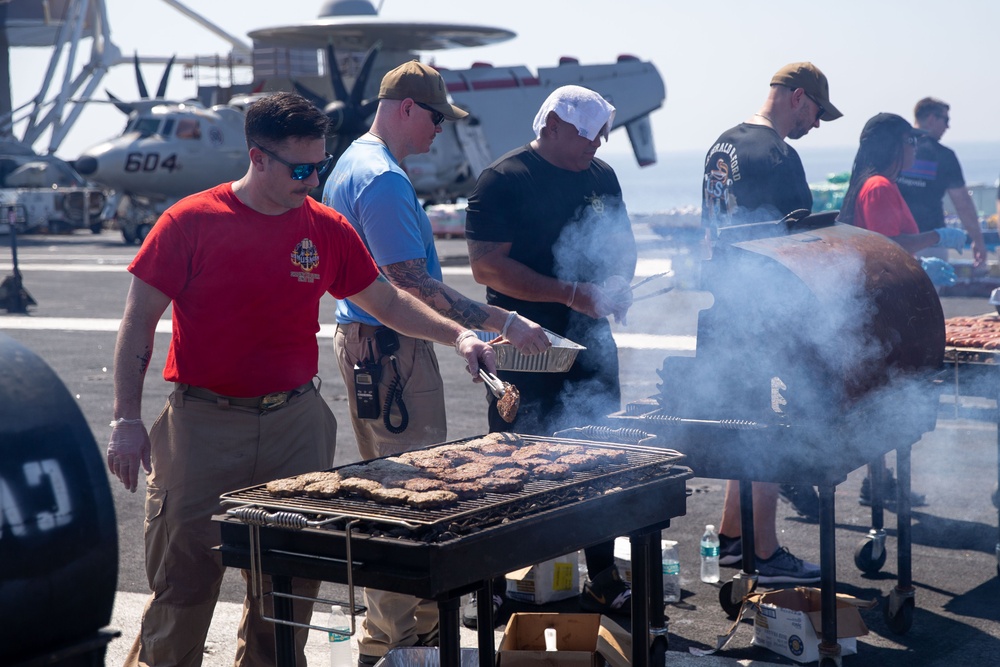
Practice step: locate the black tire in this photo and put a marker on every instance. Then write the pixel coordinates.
(863, 557)
(128, 236)
(142, 231)
(901, 622)
(97, 228)
(731, 608)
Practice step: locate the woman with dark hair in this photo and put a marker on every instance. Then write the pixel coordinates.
(873, 201)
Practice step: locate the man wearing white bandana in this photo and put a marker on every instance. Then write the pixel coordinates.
(549, 236)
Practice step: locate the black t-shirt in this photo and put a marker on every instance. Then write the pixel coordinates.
(935, 171)
(559, 223)
(751, 175)
(568, 225)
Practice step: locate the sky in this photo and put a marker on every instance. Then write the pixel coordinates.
(716, 58)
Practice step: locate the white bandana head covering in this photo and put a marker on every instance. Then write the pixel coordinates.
(587, 111)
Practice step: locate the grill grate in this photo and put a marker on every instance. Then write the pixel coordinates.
(470, 515)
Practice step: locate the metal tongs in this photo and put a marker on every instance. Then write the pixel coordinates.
(655, 276)
(507, 395)
(493, 383)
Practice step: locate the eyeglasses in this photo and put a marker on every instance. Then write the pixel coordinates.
(436, 116)
(300, 172)
(819, 114)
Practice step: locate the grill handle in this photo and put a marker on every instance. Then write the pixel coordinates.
(255, 517)
(625, 436)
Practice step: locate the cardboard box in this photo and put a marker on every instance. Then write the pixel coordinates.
(552, 580)
(582, 640)
(789, 622)
(623, 556)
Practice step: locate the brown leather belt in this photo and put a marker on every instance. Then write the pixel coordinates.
(264, 403)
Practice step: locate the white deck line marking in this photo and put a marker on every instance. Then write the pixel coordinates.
(628, 341)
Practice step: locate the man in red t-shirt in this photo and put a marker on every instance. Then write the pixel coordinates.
(244, 266)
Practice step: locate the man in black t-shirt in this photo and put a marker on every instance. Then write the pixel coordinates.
(550, 238)
(753, 175)
(936, 171)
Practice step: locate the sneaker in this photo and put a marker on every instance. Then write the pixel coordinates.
(784, 568)
(889, 494)
(730, 551)
(607, 594)
(470, 611)
(803, 499)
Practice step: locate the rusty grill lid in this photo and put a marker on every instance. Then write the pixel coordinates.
(815, 316)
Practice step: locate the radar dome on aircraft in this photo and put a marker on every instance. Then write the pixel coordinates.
(347, 8)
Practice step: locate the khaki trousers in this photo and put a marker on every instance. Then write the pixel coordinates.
(200, 450)
(394, 620)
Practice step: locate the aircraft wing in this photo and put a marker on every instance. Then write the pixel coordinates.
(506, 99)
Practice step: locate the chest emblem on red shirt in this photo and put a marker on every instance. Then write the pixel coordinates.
(305, 255)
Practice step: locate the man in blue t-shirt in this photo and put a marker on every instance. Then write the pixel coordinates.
(936, 171)
(371, 190)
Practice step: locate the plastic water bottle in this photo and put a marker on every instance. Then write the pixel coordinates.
(710, 555)
(340, 645)
(671, 572)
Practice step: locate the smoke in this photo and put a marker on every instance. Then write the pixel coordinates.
(597, 244)
(815, 336)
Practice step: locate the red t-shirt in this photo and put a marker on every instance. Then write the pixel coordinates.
(881, 208)
(246, 288)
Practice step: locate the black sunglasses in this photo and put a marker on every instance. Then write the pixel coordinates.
(300, 172)
(436, 116)
(910, 140)
(819, 114)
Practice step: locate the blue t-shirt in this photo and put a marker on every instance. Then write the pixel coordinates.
(371, 190)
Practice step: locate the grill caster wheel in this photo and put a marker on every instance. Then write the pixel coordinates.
(901, 622)
(830, 662)
(864, 560)
(731, 608)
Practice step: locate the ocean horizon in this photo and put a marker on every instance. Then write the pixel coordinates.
(675, 180)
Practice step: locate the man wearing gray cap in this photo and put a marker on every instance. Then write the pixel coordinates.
(549, 236)
(753, 175)
(394, 387)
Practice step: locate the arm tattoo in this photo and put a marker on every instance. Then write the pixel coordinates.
(412, 274)
(144, 361)
(478, 249)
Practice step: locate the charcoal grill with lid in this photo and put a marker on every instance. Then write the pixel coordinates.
(819, 336)
(442, 554)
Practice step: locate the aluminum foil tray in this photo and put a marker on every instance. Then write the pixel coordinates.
(557, 359)
(424, 657)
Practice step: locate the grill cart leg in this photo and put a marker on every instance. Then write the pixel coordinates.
(648, 617)
(284, 634)
(829, 649)
(731, 593)
(485, 625)
(869, 556)
(451, 641)
(898, 611)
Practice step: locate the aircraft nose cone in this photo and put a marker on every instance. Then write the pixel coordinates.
(86, 165)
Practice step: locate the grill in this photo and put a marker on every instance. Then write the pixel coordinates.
(975, 371)
(818, 335)
(443, 553)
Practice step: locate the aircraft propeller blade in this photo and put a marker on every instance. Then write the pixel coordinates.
(143, 93)
(366, 69)
(307, 93)
(336, 80)
(124, 107)
(161, 90)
